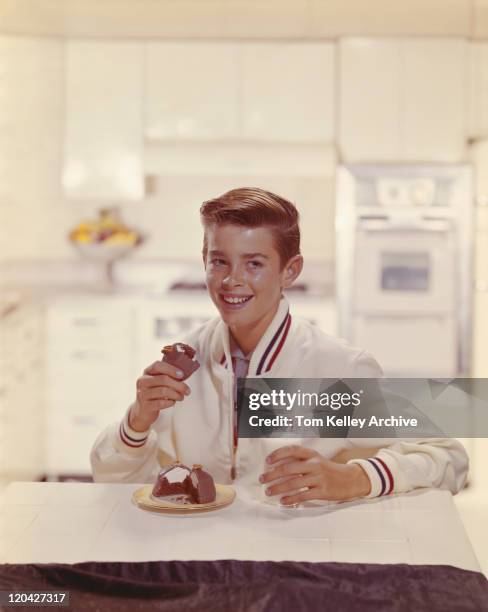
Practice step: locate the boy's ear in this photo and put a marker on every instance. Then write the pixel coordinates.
(291, 271)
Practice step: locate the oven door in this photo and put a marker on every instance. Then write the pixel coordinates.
(408, 269)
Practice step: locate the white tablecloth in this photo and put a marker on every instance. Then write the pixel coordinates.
(75, 522)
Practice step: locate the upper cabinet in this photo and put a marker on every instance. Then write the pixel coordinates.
(369, 96)
(288, 92)
(403, 100)
(191, 91)
(104, 127)
(240, 91)
(478, 89)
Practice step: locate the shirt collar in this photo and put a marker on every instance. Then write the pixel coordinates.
(236, 351)
(268, 348)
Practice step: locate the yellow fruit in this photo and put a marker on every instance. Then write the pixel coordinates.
(86, 226)
(84, 237)
(120, 238)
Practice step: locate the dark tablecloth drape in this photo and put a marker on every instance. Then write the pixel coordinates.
(248, 586)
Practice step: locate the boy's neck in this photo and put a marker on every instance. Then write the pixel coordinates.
(248, 337)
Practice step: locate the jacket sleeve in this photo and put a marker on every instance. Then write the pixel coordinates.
(408, 464)
(121, 454)
(405, 464)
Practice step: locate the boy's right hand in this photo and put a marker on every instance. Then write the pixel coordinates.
(158, 388)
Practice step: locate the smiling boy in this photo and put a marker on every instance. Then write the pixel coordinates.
(251, 253)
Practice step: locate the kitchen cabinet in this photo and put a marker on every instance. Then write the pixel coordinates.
(480, 313)
(481, 248)
(191, 91)
(104, 127)
(21, 393)
(274, 92)
(480, 334)
(90, 376)
(288, 92)
(478, 90)
(370, 105)
(435, 100)
(403, 100)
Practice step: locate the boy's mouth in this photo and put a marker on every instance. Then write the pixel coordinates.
(235, 301)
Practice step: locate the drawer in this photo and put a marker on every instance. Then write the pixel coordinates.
(428, 344)
(481, 257)
(482, 218)
(480, 334)
(88, 324)
(88, 408)
(80, 370)
(80, 419)
(84, 352)
(66, 343)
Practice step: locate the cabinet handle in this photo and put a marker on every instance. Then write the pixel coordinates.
(86, 321)
(84, 420)
(87, 354)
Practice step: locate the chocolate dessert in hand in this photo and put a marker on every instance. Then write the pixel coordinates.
(182, 356)
(177, 483)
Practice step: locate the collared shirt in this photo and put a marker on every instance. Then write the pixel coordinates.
(240, 362)
(240, 366)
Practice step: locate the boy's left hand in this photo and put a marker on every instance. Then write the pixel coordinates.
(323, 479)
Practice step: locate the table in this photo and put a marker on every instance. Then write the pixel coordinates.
(76, 522)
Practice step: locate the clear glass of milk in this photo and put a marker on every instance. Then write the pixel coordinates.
(268, 445)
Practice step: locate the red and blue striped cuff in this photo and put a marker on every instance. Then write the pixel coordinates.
(379, 474)
(130, 437)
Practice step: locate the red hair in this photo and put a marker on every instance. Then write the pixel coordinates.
(254, 207)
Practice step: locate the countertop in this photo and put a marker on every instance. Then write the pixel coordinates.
(75, 522)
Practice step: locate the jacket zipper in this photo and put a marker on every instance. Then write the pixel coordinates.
(233, 446)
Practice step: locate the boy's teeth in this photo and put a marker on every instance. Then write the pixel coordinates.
(235, 300)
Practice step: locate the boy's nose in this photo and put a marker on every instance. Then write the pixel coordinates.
(235, 277)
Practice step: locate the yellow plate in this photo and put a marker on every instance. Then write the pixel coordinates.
(143, 499)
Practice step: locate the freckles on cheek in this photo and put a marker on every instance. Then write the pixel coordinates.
(209, 275)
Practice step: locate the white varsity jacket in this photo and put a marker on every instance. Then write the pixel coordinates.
(199, 429)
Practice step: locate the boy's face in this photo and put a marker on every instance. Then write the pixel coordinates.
(243, 275)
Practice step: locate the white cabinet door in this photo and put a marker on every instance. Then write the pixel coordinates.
(481, 259)
(370, 99)
(288, 92)
(21, 394)
(478, 90)
(403, 100)
(433, 120)
(90, 354)
(103, 140)
(191, 91)
(480, 334)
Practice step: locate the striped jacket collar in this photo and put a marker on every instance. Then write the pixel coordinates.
(270, 345)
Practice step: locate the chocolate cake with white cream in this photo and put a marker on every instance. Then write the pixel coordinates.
(177, 483)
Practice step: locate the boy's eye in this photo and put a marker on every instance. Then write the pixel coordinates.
(217, 261)
(255, 264)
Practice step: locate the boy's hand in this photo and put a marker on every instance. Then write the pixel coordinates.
(158, 388)
(306, 468)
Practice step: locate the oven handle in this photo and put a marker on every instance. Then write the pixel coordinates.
(407, 316)
(419, 225)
